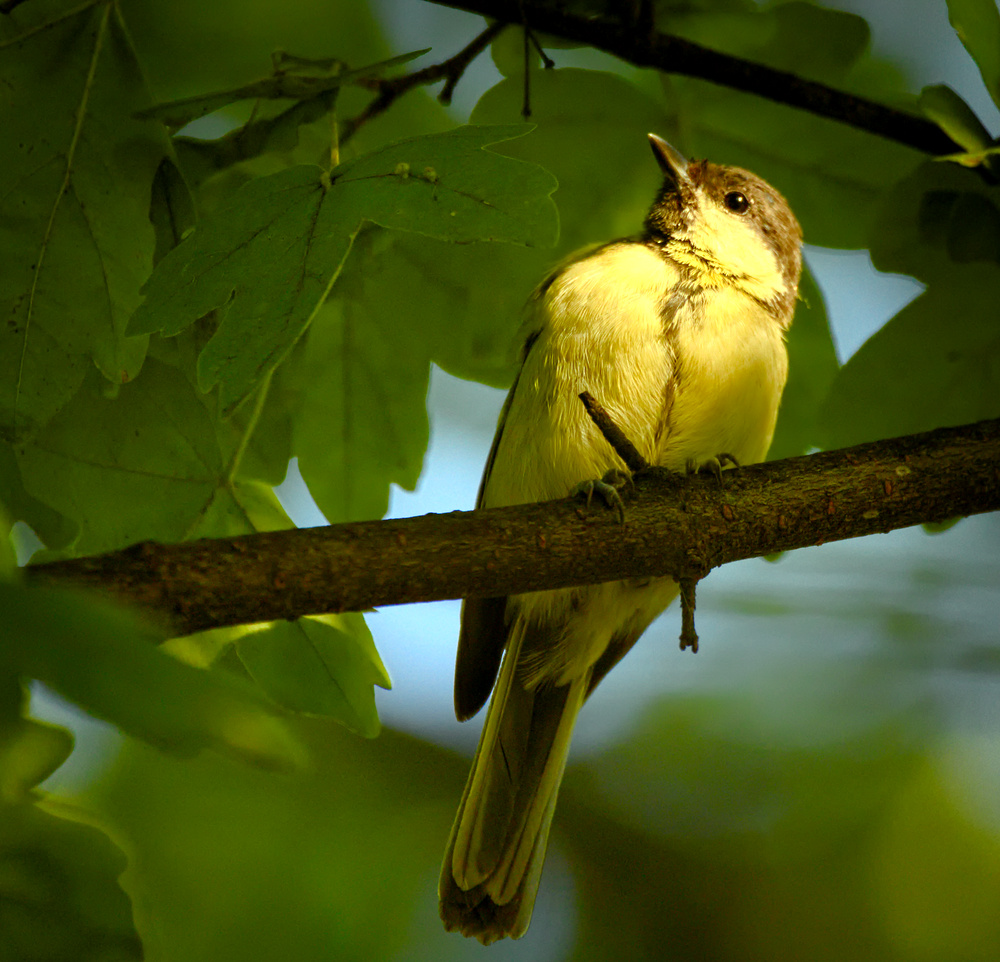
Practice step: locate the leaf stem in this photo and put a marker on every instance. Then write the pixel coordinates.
(334, 138)
(258, 408)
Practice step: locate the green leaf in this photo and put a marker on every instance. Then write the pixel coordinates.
(145, 465)
(943, 350)
(306, 80)
(447, 186)
(8, 556)
(75, 237)
(54, 529)
(322, 665)
(200, 159)
(271, 256)
(986, 156)
(171, 208)
(121, 468)
(470, 326)
(792, 43)
(977, 23)
(939, 214)
(812, 366)
(29, 755)
(30, 750)
(240, 507)
(361, 423)
(831, 174)
(592, 135)
(956, 118)
(941, 224)
(270, 449)
(107, 662)
(59, 891)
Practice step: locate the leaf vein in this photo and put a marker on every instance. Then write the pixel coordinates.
(47, 237)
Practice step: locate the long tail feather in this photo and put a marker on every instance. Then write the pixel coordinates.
(494, 857)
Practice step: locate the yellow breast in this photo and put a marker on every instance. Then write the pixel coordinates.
(602, 332)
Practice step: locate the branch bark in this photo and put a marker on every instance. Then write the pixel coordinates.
(676, 55)
(675, 525)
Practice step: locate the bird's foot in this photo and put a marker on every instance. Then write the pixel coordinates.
(607, 489)
(713, 465)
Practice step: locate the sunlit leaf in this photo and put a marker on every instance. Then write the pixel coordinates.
(954, 116)
(30, 750)
(321, 666)
(977, 23)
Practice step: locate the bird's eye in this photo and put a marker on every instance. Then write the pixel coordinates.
(736, 202)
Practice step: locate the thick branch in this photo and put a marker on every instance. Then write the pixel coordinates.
(678, 56)
(680, 526)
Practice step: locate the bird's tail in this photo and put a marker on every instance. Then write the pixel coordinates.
(494, 857)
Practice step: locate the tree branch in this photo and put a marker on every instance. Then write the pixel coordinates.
(450, 70)
(676, 525)
(675, 55)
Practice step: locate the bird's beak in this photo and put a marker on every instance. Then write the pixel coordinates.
(672, 162)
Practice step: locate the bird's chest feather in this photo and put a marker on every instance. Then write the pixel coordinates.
(687, 373)
(731, 366)
(601, 332)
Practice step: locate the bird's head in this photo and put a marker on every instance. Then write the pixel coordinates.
(728, 224)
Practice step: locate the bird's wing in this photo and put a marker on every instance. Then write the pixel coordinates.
(483, 633)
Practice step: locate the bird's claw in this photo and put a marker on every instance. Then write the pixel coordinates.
(713, 465)
(606, 489)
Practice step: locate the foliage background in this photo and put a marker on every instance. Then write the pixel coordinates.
(820, 782)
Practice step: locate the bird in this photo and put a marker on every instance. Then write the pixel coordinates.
(678, 332)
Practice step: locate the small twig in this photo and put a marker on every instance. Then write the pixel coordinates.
(613, 434)
(450, 70)
(689, 637)
(457, 65)
(528, 38)
(547, 62)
